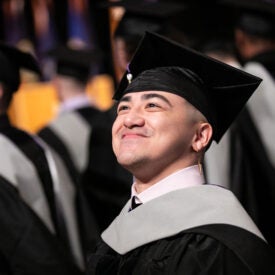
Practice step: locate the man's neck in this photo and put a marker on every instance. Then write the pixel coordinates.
(187, 177)
(154, 176)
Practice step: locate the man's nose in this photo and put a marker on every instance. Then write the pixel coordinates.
(133, 119)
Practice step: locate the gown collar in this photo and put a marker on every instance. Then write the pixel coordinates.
(174, 212)
(187, 177)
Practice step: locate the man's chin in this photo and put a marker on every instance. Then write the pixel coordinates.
(131, 164)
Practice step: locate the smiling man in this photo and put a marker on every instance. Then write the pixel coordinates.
(144, 131)
(172, 103)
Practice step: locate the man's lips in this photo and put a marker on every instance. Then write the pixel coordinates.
(132, 135)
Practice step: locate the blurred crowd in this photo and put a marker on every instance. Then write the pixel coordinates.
(62, 186)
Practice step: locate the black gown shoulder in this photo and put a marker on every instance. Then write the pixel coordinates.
(192, 252)
(26, 245)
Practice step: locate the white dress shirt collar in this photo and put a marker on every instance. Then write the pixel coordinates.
(186, 177)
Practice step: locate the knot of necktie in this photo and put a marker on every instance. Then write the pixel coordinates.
(134, 204)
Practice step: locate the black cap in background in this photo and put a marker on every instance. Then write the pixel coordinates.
(217, 90)
(141, 16)
(11, 61)
(76, 63)
(155, 8)
(255, 17)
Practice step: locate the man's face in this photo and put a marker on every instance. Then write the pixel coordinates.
(153, 130)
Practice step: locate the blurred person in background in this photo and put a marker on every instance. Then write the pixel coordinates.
(39, 231)
(250, 153)
(81, 137)
(253, 150)
(69, 132)
(157, 16)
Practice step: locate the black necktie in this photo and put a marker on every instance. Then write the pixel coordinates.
(134, 204)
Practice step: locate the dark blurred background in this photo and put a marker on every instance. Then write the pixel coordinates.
(40, 25)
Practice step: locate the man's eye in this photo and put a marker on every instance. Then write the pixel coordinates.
(152, 105)
(122, 108)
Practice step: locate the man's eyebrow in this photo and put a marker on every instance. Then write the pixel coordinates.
(153, 95)
(126, 98)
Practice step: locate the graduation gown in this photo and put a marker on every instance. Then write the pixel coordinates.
(244, 159)
(43, 185)
(69, 136)
(27, 246)
(196, 230)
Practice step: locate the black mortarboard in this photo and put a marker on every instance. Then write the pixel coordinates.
(256, 17)
(75, 63)
(11, 61)
(141, 16)
(152, 8)
(217, 90)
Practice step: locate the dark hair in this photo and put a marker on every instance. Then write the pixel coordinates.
(257, 24)
(6, 97)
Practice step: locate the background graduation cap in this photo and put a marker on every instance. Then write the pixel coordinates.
(256, 17)
(11, 61)
(76, 63)
(147, 8)
(140, 16)
(220, 94)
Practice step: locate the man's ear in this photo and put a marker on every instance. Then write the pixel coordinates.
(202, 137)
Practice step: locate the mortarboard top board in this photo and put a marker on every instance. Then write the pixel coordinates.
(256, 17)
(75, 63)
(11, 61)
(217, 90)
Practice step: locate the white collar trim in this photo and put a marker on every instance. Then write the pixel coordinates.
(174, 212)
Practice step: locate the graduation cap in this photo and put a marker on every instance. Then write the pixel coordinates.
(256, 17)
(11, 61)
(75, 63)
(141, 16)
(154, 8)
(217, 90)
